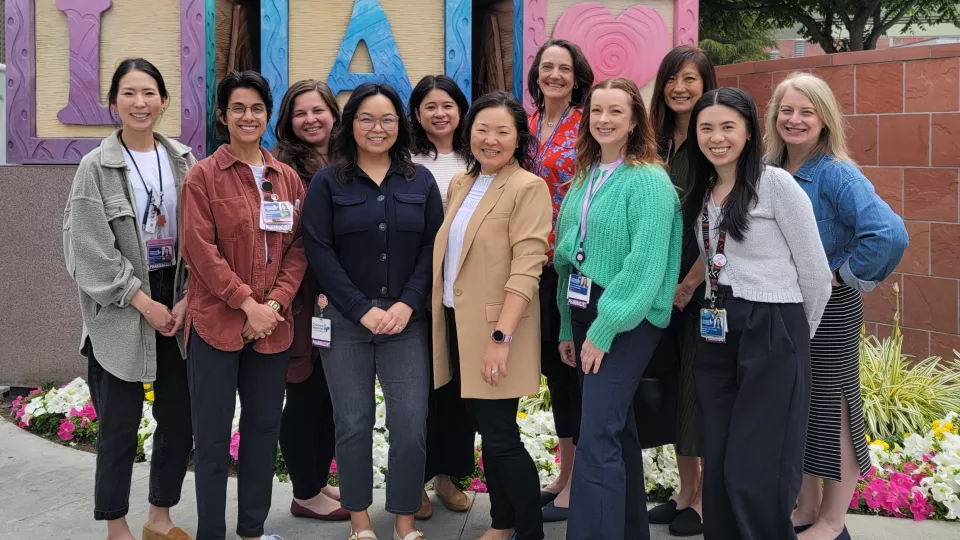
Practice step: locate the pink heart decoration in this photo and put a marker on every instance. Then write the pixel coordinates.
(631, 46)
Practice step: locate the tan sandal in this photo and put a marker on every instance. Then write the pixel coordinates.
(362, 534)
(175, 533)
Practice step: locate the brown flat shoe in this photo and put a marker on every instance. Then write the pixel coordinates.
(298, 510)
(426, 508)
(458, 503)
(175, 533)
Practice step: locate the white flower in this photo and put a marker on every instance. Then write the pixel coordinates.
(916, 446)
(940, 492)
(953, 507)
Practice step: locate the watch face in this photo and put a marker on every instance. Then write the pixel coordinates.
(498, 336)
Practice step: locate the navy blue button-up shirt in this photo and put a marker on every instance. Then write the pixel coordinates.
(365, 241)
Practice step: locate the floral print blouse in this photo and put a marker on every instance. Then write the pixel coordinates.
(556, 161)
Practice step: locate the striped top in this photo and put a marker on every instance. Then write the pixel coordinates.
(444, 167)
(458, 230)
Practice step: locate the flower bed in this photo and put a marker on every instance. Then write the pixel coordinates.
(917, 477)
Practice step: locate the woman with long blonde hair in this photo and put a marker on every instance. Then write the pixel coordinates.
(864, 241)
(618, 260)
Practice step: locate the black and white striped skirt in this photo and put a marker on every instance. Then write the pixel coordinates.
(834, 363)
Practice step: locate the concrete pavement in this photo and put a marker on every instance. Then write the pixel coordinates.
(46, 492)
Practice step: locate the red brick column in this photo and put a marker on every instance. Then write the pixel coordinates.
(902, 107)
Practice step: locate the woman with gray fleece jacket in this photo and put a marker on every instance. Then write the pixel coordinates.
(121, 246)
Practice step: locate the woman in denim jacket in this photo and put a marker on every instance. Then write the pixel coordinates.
(864, 241)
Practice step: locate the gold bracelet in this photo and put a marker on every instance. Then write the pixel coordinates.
(274, 305)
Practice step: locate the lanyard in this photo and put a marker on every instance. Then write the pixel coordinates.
(719, 260)
(588, 200)
(159, 206)
(542, 152)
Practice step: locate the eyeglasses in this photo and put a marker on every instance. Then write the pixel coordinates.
(367, 122)
(237, 110)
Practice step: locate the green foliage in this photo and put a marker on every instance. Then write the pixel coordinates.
(900, 395)
(731, 37)
(537, 402)
(46, 425)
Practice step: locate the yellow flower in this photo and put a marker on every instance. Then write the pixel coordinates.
(146, 386)
(935, 425)
(905, 435)
(880, 444)
(521, 415)
(948, 427)
(868, 439)
(149, 396)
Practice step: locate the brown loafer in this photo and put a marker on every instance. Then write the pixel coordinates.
(426, 508)
(175, 533)
(298, 510)
(458, 503)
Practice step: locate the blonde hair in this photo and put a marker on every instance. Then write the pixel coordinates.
(833, 140)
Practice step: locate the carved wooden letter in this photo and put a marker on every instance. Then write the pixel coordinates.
(83, 22)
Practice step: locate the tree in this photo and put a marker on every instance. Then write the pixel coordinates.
(731, 37)
(865, 21)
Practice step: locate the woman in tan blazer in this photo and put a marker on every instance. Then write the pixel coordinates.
(487, 260)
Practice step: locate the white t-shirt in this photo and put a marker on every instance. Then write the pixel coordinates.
(258, 179)
(443, 168)
(146, 162)
(458, 229)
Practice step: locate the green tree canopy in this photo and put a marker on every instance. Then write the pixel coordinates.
(731, 36)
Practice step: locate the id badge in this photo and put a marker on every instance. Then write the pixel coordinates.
(160, 253)
(713, 325)
(578, 291)
(276, 216)
(322, 332)
(150, 225)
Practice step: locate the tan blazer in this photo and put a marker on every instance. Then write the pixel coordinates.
(504, 250)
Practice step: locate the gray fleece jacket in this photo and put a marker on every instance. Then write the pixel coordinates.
(106, 258)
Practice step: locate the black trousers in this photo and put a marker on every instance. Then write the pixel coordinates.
(119, 406)
(608, 500)
(215, 378)
(565, 396)
(450, 433)
(754, 393)
(512, 479)
(307, 434)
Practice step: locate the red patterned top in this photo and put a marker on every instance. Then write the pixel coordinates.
(556, 161)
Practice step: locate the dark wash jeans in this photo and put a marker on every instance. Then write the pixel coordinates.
(355, 360)
(119, 406)
(215, 378)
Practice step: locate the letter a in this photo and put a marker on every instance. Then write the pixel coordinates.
(369, 23)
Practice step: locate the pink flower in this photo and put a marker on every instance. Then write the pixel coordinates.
(875, 493)
(333, 467)
(477, 486)
(66, 429)
(235, 446)
(16, 404)
(855, 501)
(910, 467)
(920, 508)
(480, 461)
(557, 459)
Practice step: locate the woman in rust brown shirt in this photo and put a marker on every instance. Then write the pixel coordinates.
(241, 239)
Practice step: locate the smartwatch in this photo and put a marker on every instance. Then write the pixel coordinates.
(499, 337)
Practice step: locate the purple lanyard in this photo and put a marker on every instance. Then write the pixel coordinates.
(588, 199)
(542, 152)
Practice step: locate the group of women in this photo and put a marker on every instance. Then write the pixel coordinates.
(455, 252)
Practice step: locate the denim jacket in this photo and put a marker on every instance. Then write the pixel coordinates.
(863, 238)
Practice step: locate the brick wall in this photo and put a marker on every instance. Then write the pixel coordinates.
(902, 107)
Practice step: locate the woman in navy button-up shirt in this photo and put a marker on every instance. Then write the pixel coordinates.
(864, 241)
(369, 225)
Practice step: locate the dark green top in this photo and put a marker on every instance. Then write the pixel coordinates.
(678, 165)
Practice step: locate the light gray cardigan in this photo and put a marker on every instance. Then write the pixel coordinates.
(781, 259)
(105, 256)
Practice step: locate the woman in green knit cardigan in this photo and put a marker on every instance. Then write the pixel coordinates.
(617, 281)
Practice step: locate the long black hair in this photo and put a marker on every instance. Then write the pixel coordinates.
(663, 118)
(344, 147)
(582, 73)
(420, 144)
(735, 218)
(525, 139)
(136, 64)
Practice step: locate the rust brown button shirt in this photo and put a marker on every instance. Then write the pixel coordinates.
(225, 250)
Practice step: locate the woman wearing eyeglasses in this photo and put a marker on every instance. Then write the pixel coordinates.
(370, 223)
(241, 238)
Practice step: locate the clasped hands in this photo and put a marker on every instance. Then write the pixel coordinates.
(261, 320)
(388, 322)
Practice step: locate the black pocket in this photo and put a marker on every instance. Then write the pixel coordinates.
(348, 214)
(409, 210)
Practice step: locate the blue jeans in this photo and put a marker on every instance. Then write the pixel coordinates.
(356, 358)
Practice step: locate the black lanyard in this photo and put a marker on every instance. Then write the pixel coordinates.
(542, 152)
(159, 206)
(718, 260)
